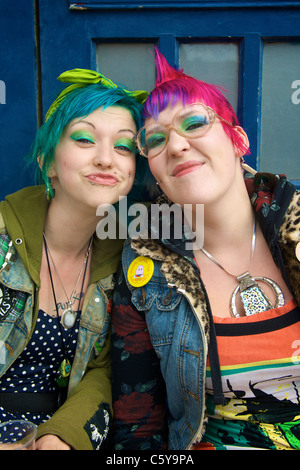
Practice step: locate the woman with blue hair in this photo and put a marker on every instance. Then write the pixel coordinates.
(56, 277)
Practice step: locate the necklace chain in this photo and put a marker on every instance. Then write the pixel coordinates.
(69, 321)
(251, 256)
(80, 274)
(68, 316)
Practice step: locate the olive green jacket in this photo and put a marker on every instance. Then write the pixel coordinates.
(83, 421)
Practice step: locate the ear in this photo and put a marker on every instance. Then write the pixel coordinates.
(241, 152)
(40, 160)
(51, 173)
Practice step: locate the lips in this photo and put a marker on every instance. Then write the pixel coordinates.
(103, 178)
(184, 168)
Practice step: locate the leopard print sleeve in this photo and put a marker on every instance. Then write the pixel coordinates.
(289, 241)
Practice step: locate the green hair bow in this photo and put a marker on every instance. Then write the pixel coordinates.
(84, 77)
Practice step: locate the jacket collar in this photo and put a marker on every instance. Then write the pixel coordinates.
(270, 196)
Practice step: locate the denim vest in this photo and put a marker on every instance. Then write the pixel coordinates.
(181, 345)
(19, 310)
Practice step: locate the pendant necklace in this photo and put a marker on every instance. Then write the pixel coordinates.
(68, 318)
(253, 298)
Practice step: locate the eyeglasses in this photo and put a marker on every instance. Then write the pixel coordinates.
(191, 122)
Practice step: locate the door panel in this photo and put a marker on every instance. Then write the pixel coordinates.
(216, 63)
(127, 64)
(280, 112)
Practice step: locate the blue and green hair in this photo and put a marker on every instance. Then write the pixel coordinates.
(88, 92)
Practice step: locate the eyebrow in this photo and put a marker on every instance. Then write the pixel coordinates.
(81, 121)
(155, 127)
(187, 114)
(126, 130)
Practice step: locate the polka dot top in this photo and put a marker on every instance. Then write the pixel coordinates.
(36, 369)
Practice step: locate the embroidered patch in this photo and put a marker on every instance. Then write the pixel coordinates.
(98, 426)
(7, 302)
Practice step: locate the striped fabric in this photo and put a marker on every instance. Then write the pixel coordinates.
(260, 366)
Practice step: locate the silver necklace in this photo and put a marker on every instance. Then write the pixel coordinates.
(253, 298)
(68, 317)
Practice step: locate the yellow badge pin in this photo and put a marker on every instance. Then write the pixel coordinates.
(140, 271)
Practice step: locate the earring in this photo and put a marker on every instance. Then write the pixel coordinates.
(50, 191)
(248, 168)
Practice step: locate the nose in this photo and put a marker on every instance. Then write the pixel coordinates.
(103, 156)
(177, 144)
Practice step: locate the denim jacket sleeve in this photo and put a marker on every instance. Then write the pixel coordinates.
(139, 400)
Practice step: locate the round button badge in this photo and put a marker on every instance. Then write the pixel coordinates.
(140, 271)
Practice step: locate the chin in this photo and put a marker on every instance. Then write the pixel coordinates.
(186, 197)
(109, 195)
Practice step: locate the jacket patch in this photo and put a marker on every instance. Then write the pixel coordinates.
(7, 302)
(98, 426)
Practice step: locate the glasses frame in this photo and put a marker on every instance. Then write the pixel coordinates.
(212, 117)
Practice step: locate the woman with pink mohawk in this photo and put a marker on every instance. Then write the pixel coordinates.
(205, 344)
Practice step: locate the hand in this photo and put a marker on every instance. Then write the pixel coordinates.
(50, 442)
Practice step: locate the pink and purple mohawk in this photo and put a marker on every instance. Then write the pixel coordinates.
(173, 85)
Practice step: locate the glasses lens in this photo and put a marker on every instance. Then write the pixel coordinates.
(192, 121)
(152, 140)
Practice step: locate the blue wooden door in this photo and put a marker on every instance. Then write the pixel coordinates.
(18, 93)
(251, 48)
